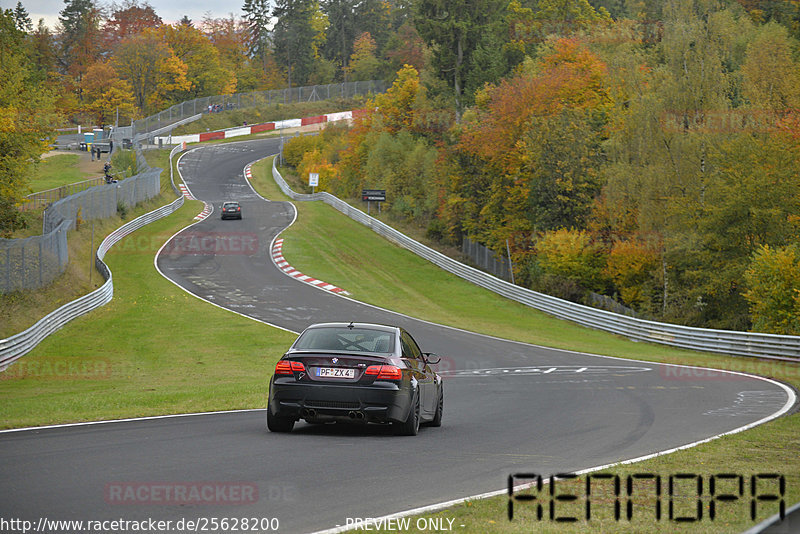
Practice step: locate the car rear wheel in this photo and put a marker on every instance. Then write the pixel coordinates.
(279, 424)
(410, 427)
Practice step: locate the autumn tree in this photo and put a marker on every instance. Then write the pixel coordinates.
(204, 67)
(533, 24)
(571, 254)
(129, 19)
(106, 96)
(387, 149)
(364, 65)
(771, 77)
(533, 145)
(152, 69)
(406, 47)
(81, 37)
(27, 116)
(773, 289)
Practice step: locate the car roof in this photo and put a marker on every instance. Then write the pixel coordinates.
(230, 202)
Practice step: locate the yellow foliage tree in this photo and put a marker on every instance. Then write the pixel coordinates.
(152, 69)
(106, 96)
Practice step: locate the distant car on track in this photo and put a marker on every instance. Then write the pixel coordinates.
(231, 210)
(357, 373)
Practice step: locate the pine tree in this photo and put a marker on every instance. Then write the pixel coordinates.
(294, 36)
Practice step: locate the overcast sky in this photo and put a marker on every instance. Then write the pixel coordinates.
(169, 10)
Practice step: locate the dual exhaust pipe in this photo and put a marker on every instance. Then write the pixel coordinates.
(311, 413)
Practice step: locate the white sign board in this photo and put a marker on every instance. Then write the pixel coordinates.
(313, 179)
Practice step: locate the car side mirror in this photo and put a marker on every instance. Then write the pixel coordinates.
(431, 358)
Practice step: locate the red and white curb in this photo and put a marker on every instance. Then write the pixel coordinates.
(280, 261)
(186, 192)
(248, 173)
(205, 213)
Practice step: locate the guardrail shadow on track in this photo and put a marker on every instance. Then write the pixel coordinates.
(770, 346)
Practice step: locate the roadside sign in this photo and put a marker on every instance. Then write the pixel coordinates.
(373, 195)
(313, 179)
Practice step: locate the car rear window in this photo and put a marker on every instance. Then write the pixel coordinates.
(346, 339)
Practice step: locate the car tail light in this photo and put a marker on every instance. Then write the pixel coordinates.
(287, 367)
(384, 372)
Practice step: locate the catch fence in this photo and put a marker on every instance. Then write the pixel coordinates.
(211, 104)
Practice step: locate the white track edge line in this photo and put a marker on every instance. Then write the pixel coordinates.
(496, 493)
(792, 398)
(127, 420)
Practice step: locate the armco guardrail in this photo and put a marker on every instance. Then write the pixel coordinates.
(14, 347)
(723, 341)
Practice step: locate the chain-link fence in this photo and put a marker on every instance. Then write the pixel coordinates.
(212, 104)
(36, 261)
(42, 199)
(485, 259)
(103, 201)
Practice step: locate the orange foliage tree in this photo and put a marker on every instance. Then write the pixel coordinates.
(532, 151)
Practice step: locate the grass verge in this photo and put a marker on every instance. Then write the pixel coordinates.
(56, 171)
(146, 352)
(331, 247)
(181, 364)
(21, 309)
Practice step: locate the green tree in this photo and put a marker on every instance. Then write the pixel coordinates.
(341, 31)
(771, 76)
(293, 37)
(773, 289)
(22, 19)
(26, 117)
(257, 15)
(81, 37)
(453, 29)
(364, 65)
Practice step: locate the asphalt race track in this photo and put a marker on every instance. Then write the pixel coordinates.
(509, 407)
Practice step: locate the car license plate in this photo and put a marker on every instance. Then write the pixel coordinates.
(335, 372)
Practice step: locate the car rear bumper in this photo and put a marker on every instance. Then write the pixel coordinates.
(382, 402)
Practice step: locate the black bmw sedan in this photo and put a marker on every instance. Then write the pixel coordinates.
(358, 373)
